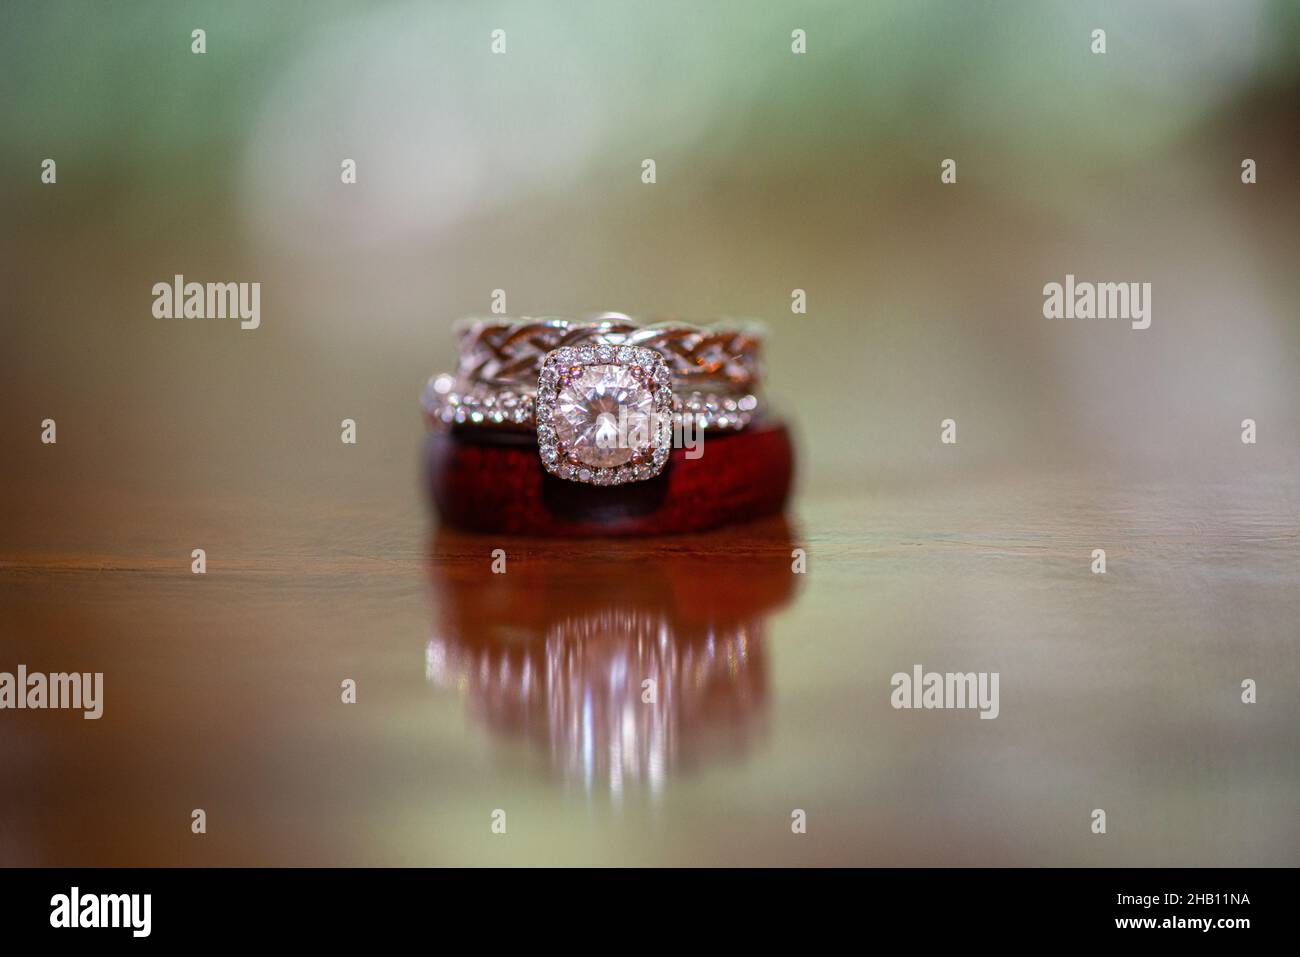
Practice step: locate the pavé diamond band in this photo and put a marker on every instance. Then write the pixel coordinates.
(606, 396)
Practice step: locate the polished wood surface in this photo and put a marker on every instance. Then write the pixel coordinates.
(524, 691)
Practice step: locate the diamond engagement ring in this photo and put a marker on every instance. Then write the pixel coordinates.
(606, 397)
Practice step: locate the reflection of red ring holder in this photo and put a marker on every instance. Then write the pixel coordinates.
(557, 652)
(489, 481)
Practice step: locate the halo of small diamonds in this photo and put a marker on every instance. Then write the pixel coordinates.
(634, 370)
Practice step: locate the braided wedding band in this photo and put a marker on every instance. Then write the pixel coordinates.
(723, 357)
(606, 396)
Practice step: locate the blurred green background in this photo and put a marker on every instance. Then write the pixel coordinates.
(775, 171)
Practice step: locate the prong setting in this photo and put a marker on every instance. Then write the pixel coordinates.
(578, 389)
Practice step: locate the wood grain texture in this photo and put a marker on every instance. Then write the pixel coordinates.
(523, 690)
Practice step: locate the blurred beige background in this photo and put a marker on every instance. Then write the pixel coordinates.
(522, 172)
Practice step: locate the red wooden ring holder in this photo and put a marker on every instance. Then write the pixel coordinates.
(487, 481)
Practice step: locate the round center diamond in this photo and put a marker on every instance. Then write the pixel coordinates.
(603, 415)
